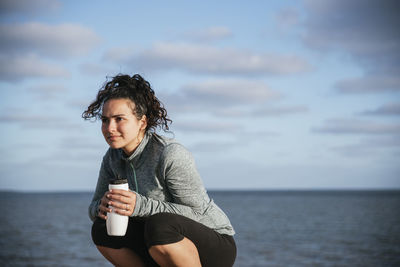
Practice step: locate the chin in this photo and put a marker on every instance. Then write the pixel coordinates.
(114, 146)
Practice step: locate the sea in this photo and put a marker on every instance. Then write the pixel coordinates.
(273, 228)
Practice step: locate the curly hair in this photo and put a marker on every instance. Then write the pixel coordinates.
(139, 91)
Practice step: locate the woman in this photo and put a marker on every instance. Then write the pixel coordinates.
(173, 222)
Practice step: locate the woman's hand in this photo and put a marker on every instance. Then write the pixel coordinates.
(103, 207)
(123, 202)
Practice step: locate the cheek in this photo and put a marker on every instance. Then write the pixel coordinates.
(126, 128)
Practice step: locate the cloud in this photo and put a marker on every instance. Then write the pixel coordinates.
(219, 96)
(288, 17)
(98, 69)
(26, 48)
(22, 118)
(31, 7)
(48, 91)
(232, 91)
(17, 68)
(229, 98)
(55, 41)
(385, 110)
(349, 126)
(260, 110)
(279, 111)
(39, 122)
(208, 60)
(213, 147)
(367, 30)
(210, 34)
(120, 54)
(369, 147)
(80, 143)
(371, 83)
(296, 175)
(205, 126)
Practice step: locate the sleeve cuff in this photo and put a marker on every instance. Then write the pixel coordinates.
(137, 205)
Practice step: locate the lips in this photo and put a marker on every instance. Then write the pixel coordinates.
(113, 137)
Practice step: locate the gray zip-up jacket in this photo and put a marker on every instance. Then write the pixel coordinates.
(164, 177)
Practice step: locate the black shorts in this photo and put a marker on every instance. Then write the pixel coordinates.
(214, 249)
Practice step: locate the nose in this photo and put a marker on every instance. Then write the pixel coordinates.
(109, 126)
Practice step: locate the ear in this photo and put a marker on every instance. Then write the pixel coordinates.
(143, 122)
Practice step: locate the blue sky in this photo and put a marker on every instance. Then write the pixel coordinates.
(265, 94)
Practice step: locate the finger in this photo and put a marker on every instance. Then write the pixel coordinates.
(104, 202)
(105, 198)
(104, 209)
(121, 192)
(127, 211)
(102, 216)
(119, 198)
(119, 205)
(106, 195)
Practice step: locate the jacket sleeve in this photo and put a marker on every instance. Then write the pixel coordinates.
(189, 197)
(101, 188)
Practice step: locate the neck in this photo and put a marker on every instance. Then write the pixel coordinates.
(130, 150)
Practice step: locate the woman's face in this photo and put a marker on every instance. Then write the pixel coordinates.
(120, 127)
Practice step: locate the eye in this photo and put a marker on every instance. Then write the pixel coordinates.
(104, 120)
(118, 119)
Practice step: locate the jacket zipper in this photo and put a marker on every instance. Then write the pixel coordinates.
(134, 177)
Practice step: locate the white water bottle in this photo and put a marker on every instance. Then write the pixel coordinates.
(116, 223)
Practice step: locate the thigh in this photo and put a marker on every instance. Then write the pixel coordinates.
(214, 249)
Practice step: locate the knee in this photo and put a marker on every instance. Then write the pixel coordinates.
(176, 254)
(158, 250)
(160, 254)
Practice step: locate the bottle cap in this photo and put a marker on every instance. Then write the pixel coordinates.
(119, 181)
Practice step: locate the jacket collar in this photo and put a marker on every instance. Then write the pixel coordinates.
(136, 155)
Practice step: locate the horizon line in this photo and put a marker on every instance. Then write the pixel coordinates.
(224, 190)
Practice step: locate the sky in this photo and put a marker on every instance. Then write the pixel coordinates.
(265, 94)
